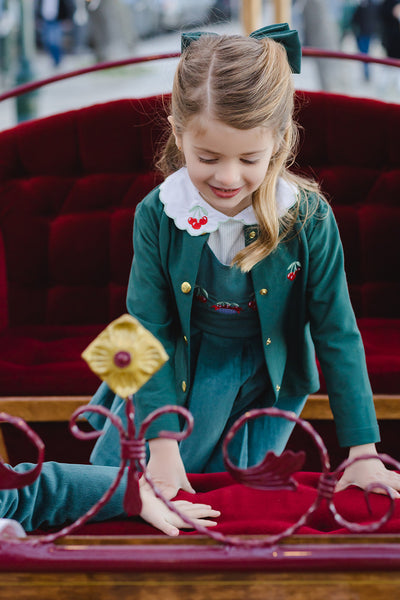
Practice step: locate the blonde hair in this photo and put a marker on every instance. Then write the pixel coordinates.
(244, 83)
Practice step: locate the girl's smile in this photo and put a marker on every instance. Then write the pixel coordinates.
(224, 193)
(225, 164)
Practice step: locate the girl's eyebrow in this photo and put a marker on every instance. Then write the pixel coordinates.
(207, 150)
(199, 149)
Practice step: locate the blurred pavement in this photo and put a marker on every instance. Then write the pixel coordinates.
(155, 77)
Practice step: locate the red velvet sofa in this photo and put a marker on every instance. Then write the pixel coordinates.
(69, 185)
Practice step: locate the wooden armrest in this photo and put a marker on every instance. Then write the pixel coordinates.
(42, 408)
(317, 407)
(60, 408)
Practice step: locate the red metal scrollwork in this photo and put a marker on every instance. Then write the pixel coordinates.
(272, 473)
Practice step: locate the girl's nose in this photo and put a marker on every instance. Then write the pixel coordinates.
(228, 175)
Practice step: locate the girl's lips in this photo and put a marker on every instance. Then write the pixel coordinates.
(224, 193)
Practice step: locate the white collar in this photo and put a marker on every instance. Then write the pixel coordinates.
(190, 212)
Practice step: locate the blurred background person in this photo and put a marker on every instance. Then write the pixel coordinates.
(52, 16)
(111, 31)
(365, 24)
(390, 12)
(317, 24)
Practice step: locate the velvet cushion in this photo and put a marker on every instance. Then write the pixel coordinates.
(46, 361)
(249, 511)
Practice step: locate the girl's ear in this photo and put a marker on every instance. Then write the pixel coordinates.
(178, 138)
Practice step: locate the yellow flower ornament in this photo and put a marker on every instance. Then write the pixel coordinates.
(125, 355)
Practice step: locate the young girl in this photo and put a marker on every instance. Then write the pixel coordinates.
(238, 271)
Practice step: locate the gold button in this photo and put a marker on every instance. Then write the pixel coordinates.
(252, 234)
(185, 339)
(278, 387)
(263, 292)
(268, 341)
(186, 287)
(184, 386)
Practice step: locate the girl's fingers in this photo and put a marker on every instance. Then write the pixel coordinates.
(167, 528)
(196, 511)
(199, 514)
(172, 528)
(389, 478)
(203, 522)
(176, 521)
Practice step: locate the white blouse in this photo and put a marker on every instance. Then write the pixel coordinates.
(190, 212)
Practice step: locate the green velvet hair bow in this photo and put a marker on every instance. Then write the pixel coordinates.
(280, 32)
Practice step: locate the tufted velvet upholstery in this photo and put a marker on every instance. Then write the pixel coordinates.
(69, 185)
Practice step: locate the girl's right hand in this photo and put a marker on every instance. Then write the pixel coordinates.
(166, 468)
(155, 512)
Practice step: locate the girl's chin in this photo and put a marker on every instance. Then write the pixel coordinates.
(228, 208)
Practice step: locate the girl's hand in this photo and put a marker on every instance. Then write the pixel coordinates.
(166, 468)
(365, 472)
(155, 512)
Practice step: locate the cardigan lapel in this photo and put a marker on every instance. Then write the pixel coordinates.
(273, 289)
(186, 254)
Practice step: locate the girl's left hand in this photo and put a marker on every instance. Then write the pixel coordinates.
(369, 471)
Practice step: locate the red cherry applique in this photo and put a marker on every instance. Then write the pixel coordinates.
(293, 269)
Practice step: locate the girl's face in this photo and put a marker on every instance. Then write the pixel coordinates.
(225, 164)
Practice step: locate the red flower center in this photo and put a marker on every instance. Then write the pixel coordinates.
(122, 359)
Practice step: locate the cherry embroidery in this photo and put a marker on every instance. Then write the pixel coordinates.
(293, 269)
(197, 223)
(199, 217)
(200, 294)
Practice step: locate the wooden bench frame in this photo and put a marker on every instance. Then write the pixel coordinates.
(60, 408)
(312, 567)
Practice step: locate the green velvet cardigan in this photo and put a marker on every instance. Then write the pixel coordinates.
(299, 315)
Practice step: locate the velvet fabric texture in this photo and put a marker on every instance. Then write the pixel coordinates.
(249, 511)
(69, 185)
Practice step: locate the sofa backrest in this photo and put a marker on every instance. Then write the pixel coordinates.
(69, 185)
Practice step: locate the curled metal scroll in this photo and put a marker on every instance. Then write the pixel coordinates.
(10, 479)
(272, 473)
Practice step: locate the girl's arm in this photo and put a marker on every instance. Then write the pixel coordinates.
(365, 472)
(166, 467)
(335, 333)
(340, 350)
(150, 300)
